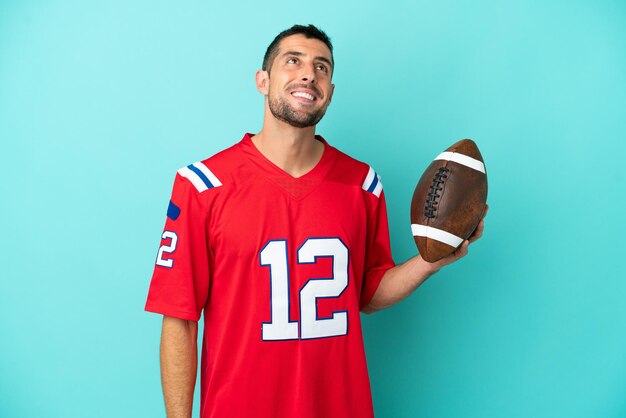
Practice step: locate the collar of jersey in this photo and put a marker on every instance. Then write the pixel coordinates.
(297, 187)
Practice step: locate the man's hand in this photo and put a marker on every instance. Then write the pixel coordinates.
(401, 280)
(463, 249)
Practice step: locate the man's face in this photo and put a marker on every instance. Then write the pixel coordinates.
(299, 81)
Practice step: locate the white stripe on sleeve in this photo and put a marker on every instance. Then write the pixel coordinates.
(208, 173)
(194, 178)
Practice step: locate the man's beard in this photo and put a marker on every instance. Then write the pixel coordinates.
(284, 112)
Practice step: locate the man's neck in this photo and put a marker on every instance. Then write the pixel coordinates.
(294, 150)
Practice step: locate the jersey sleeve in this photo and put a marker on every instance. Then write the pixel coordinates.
(378, 257)
(180, 282)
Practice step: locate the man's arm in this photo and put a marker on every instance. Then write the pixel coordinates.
(179, 362)
(400, 281)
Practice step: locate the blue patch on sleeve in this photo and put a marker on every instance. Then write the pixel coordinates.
(173, 211)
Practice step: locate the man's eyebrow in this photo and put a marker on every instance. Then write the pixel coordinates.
(296, 53)
(300, 54)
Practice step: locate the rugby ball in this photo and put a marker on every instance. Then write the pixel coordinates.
(449, 200)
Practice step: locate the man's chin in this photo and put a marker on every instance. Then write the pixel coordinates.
(299, 124)
(285, 113)
(297, 121)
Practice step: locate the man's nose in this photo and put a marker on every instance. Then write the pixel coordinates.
(308, 74)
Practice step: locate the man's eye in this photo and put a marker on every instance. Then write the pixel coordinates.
(322, 68)
(292, 60)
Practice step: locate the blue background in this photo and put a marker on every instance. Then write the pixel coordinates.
(100, 103)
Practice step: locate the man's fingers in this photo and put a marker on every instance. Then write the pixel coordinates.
(458, 253)
(478, 232)
(463, 249)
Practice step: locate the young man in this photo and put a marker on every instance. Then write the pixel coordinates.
(282, 241)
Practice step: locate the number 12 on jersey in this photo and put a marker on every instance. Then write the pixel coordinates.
(274, 255)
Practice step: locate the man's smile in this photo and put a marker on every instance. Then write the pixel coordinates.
(303, 95)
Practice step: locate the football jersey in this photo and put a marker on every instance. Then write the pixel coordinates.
(281, 268)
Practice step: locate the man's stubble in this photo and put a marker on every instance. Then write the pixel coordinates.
(284, 112)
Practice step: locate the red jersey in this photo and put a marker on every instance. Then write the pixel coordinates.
(281, 267)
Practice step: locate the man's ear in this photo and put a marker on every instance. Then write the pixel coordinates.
(330, 93)
(262, 82)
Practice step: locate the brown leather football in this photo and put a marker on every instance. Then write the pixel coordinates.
(449, 200)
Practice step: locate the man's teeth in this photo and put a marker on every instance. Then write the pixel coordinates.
(302, 94)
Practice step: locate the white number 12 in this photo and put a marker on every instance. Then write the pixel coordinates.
(274, 255)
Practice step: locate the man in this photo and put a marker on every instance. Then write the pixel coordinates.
(281, 240)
